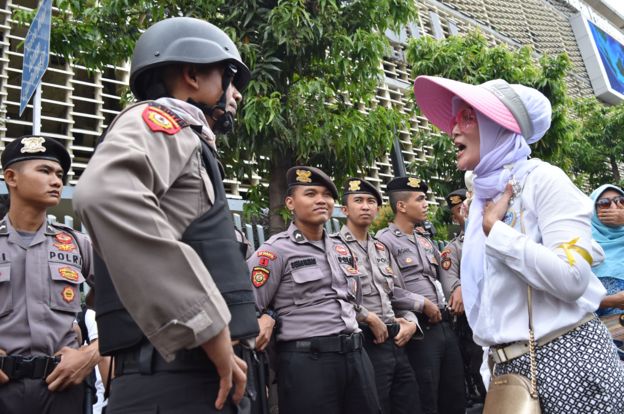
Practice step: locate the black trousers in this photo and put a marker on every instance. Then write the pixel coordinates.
(326, 383)
(472, 355)
(166, 393)
(31, 396)
(396, 384)
(439, 369)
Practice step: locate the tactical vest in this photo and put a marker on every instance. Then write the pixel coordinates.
(212, 236)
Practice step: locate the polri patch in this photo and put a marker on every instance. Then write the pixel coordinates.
(259, 276)
(68, 273)
(159, 120)
(341, 250)
(68, 294)
(63, 238)
(446, 262)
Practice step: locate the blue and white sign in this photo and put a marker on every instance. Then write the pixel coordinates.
(36, 53)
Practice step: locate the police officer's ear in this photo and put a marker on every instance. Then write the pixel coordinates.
(400, 206)
(10, 176)
(189, 75)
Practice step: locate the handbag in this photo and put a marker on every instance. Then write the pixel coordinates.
(515, 393)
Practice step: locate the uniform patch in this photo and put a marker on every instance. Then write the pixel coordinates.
(160, 121)
(63, 238)
(259, 276)
(341, 250)
(408, 260)
(389, 270)
(65, 247)
(296, 264)
(352, 270)
(446, 262)
(424, 243)
(68, 294)
(380, 246)
(68, 273)
(269, 255)
(354, 185)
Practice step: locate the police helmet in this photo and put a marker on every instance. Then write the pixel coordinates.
(183, 40)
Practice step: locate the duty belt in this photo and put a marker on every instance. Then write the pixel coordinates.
(36, 367)
(143, 359)
(393, 331)
(341, 344)
(504, 353)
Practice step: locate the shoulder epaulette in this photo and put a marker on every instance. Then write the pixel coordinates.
(275, 237)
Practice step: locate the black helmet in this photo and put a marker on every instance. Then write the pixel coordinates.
(184, 40)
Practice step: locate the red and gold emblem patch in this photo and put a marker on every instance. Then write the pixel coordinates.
(160, 121)
(269, 255)
(68, 273)
(425, 243)
(65, 247)
(68, 294)
(446, 263)
(63, 238)
(380, 246)
(259, 276)
(341, 250)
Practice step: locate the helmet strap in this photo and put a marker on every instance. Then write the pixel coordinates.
(224, 122)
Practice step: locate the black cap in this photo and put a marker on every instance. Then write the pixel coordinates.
(407, 184)
(456, 197)
(359, 186)
(301, 175)
(35, 147)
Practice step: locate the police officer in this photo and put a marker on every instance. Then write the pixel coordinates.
(436, 359)
(472, 354)
(41, 268)
(385, 333)
(172, 276)
(309, 282)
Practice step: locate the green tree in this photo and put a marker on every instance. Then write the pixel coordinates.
(316, 65)
(598, 149)
(471, 58)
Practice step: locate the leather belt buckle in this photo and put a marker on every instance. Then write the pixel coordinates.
(500, 355)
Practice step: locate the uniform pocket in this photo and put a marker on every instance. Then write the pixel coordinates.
(388, 274)
(407, 259)
(6, 295)
(308, 284)
(64, 283)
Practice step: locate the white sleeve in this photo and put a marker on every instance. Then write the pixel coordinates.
(563, 214)
(91, 325)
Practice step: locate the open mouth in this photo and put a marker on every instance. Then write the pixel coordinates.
(460, 149)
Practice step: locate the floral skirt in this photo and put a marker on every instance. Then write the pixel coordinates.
(578, 373)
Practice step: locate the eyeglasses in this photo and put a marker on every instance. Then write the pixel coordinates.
(465, 119)
(606, 202)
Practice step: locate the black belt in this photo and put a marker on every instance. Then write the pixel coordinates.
(37, 367)
(447, 316)
(393, 331)
(145, 360)
(341, 344)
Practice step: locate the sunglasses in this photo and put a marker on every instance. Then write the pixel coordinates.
(465, 119)
(606, 202)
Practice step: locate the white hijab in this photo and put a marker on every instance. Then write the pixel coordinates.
(503, 154)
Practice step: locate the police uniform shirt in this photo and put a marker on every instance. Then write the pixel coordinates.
(312, 286)
(39, 288)
(418, 260)
(142, 188)
(450, 265)
(382, 291)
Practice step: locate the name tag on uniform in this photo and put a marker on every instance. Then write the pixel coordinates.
(296, 264)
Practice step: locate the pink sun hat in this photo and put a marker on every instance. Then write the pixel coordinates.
(518, 108)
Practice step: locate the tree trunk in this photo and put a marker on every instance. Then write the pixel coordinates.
(614, 169)
(280, 163)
